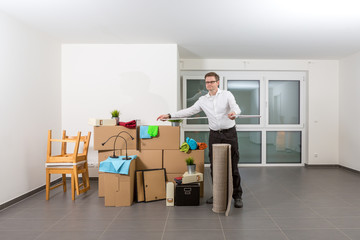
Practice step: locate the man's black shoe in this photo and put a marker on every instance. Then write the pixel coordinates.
(210, 200)
(238, 203)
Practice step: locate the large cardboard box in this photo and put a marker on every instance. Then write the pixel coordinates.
(147, 159)
(174, 160)
(119, 188)
(103, 133)
(168, 138)
(103, 155)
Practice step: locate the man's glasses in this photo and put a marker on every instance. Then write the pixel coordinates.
(210, 82)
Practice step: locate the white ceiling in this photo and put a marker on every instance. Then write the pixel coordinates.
(244, 29)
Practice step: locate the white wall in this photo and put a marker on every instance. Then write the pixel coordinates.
(322, 98)
(30, 104)
(139, 80)
(350, 112)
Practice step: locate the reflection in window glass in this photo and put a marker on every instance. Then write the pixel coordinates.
(284, 102)
(195, 88)
(247, 96)
(200, 136)
(283, 147)
(249, 147)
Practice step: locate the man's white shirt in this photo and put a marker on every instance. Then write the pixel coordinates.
(216, 109)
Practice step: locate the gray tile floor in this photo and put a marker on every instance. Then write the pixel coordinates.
(293, 203)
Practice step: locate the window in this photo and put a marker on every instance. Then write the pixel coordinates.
(279, 97)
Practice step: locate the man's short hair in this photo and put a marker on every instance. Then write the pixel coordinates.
(212, 74)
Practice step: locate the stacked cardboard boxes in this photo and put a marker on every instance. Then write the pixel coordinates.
(155, 153)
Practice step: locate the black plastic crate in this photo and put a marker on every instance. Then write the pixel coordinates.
(187, 194)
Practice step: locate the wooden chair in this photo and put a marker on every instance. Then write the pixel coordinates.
(74, 163)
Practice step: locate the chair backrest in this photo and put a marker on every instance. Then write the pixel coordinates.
(65, 157)
(83, 139)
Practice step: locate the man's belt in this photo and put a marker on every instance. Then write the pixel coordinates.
(222, 130)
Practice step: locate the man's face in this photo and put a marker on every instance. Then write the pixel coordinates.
(211, 83)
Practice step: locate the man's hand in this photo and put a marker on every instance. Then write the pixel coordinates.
(232, 115)
(163, 117)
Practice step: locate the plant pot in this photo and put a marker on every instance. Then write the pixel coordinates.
(117, 120)
(175, 124)
(191, 169)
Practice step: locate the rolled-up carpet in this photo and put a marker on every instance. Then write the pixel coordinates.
(222, 178)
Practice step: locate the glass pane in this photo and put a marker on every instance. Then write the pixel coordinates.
(195, 88)
(200, 136)
(284, 102)
(249, 147)
(247, 96)
(283, 147)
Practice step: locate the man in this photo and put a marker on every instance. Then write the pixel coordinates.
(220, 108)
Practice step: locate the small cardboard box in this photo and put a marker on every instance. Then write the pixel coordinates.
(147, 159)
(103, 133)
(192, 178)
(174, 160)
(119, 188)
(168, 138)
(102, 122)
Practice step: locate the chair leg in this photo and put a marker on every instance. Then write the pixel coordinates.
(64, 182)
(86, 177)
(47, 184)
(86, 183)
(72, 187)
(76, 177)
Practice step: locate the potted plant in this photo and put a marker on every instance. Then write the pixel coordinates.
(190, 165)
(115, 115)
(176, 122)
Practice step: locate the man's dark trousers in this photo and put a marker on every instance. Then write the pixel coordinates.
(228, 136)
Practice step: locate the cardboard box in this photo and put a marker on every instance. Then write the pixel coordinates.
(192, 178)
(170, 178)
(147, 159)
(103, 133)
(140, 193)
(103, 155)
(174, 160)
(101, 188)
(102, 122)
(119, 188)
(168, 138)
